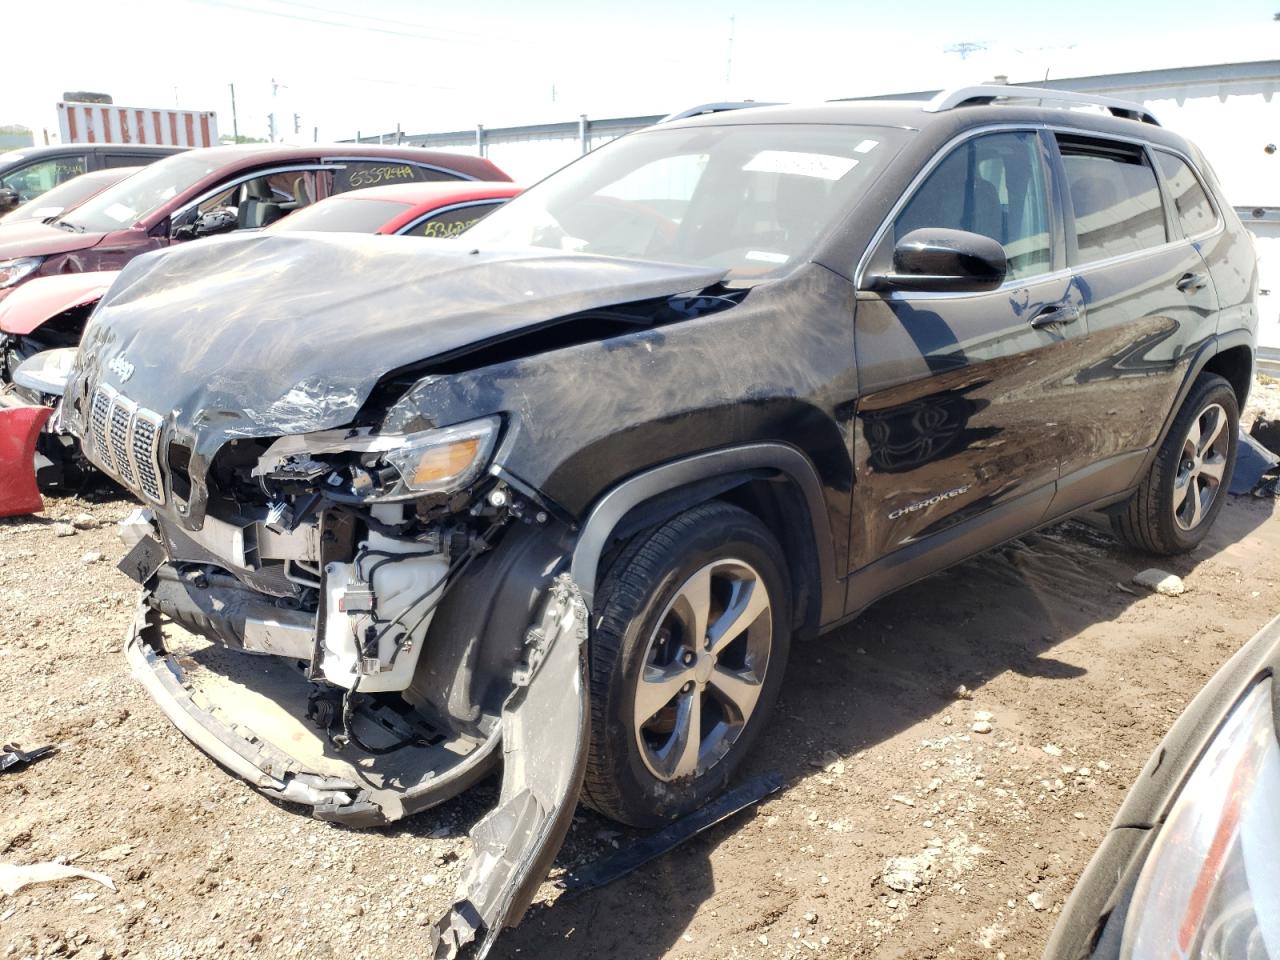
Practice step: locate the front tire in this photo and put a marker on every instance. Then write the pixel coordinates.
(1183, 492)
(687, 656)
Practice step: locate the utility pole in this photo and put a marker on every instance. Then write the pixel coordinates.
(235, 126)
(728, 62)
(275, 88)
(297, 123)
(271, 126)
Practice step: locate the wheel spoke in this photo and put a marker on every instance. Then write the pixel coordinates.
(1197, 503)
(1182, 485)
(740, 689)
(1193, 437)
(657, 687)
(1214, 469)
(681, 753)
(749, 602)
(1207, 437)
(693, 606)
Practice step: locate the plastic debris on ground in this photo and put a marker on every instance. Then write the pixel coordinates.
(12, 757)
(14, 876)
(1257, 471)
(648, 848)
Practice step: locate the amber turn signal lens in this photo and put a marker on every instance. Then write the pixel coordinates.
(440, 463)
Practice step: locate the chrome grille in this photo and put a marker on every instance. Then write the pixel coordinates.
(126, 442)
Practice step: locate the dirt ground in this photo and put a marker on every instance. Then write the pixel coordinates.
(901, 830)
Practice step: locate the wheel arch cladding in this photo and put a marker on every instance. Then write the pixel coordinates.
(773, 481)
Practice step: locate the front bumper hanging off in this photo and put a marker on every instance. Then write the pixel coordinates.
(20, 428)
(543, 735)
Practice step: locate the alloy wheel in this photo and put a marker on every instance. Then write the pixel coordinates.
(704, 668)
(1201, 467)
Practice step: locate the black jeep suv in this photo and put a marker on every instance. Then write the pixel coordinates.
(564, 490)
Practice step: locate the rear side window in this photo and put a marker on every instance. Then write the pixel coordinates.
(354, 174)
(127, 159)
(1189, 199)
(992, 185)
(450, 223)
(1114, 198)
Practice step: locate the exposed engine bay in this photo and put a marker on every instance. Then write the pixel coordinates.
(331, 553)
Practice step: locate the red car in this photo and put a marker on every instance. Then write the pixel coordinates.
(200, 192)
(50, 312)
(406, 209)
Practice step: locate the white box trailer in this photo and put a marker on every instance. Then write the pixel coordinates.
(112, 123)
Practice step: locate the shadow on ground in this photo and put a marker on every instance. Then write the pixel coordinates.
(862, 684)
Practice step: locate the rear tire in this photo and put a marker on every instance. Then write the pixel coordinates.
(661, 671)
(1181, 495)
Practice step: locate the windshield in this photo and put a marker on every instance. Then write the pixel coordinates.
(750, 198)
(345, 214)
(121, 206)
(67, 195)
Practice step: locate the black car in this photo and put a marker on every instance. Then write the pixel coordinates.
(1191, 865)
(30, 171)
(564, 491)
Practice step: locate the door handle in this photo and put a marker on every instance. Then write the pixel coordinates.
(1056, 313)
(1192, 281)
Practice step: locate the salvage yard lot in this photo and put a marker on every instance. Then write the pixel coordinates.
(1077, 673)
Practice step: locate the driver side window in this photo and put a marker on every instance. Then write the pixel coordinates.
(993, 185)
(259, 201)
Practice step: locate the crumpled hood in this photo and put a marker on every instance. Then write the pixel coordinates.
(264, 335)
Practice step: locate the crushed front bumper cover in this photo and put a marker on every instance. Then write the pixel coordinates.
(20, 428)
(543, 738)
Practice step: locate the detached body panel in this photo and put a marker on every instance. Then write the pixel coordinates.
(20, 428)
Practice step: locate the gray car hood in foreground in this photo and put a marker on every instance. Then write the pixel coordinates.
(272, 334)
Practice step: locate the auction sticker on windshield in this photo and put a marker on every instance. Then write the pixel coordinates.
(820, 165)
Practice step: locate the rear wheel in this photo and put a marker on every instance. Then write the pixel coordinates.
(686, 660)
(1180, 497)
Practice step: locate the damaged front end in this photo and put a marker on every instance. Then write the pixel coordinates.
(322, 492)
(414, 625)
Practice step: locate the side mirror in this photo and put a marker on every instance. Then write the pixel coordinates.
(217, 220)
(936, 258)
(8, 199)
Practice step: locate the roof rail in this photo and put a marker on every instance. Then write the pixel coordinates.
(987, 92)
(704, 108)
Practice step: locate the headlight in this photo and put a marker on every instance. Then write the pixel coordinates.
(11, 271)
(1211, 883)
(365, 466)
(440, 461)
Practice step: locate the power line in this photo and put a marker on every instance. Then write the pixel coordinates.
(387, 20)
(344, 25)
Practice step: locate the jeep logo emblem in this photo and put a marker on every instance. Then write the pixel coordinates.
(121, 367)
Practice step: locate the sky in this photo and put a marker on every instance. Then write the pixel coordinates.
(365, 67)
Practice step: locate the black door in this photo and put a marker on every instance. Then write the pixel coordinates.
(1149, 302)
(960, 391)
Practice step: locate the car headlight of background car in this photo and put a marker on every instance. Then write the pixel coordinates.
(1210, 886)
(11, 271)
